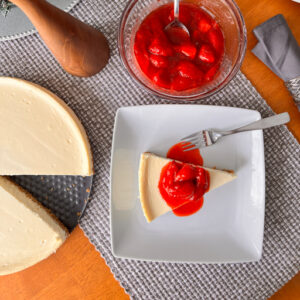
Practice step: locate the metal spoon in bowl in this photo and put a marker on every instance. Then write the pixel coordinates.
(176, 30)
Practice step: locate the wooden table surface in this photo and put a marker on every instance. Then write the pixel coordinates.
(77, 271)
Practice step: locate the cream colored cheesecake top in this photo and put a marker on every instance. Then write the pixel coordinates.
(28, 232)
(153, 204)
(39, 133)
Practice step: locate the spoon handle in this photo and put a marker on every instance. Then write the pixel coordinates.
(79, 48)
(176, 9)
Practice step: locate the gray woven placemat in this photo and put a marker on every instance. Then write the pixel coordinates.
(95, 100)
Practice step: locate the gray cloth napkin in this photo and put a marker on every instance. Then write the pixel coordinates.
(279, 50)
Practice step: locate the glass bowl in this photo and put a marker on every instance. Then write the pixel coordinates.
(225, 12)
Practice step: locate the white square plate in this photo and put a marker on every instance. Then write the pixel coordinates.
(229, 227)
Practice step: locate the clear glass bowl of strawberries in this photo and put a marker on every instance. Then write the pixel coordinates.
(177, 66)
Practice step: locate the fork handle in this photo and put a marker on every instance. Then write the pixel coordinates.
(263, 123)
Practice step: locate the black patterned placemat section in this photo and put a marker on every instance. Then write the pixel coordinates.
(65, 196)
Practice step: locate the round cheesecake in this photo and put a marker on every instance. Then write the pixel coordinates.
(29, 233)
(39, 133)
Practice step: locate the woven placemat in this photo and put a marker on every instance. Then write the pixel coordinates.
(95, 101)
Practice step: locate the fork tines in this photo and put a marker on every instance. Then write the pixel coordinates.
(196, 140)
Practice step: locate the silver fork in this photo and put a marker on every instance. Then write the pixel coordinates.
(206, 138)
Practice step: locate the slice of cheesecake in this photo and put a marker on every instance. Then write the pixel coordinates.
(29, 233)
(150, 169)
(39, 133)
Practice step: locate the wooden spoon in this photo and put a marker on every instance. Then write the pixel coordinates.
(79, 48)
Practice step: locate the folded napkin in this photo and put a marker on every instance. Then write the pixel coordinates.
(279, 50)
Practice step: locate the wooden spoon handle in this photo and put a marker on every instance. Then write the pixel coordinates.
(79, 48)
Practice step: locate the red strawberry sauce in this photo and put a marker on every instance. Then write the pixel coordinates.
(177, 61)
(181, 184)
